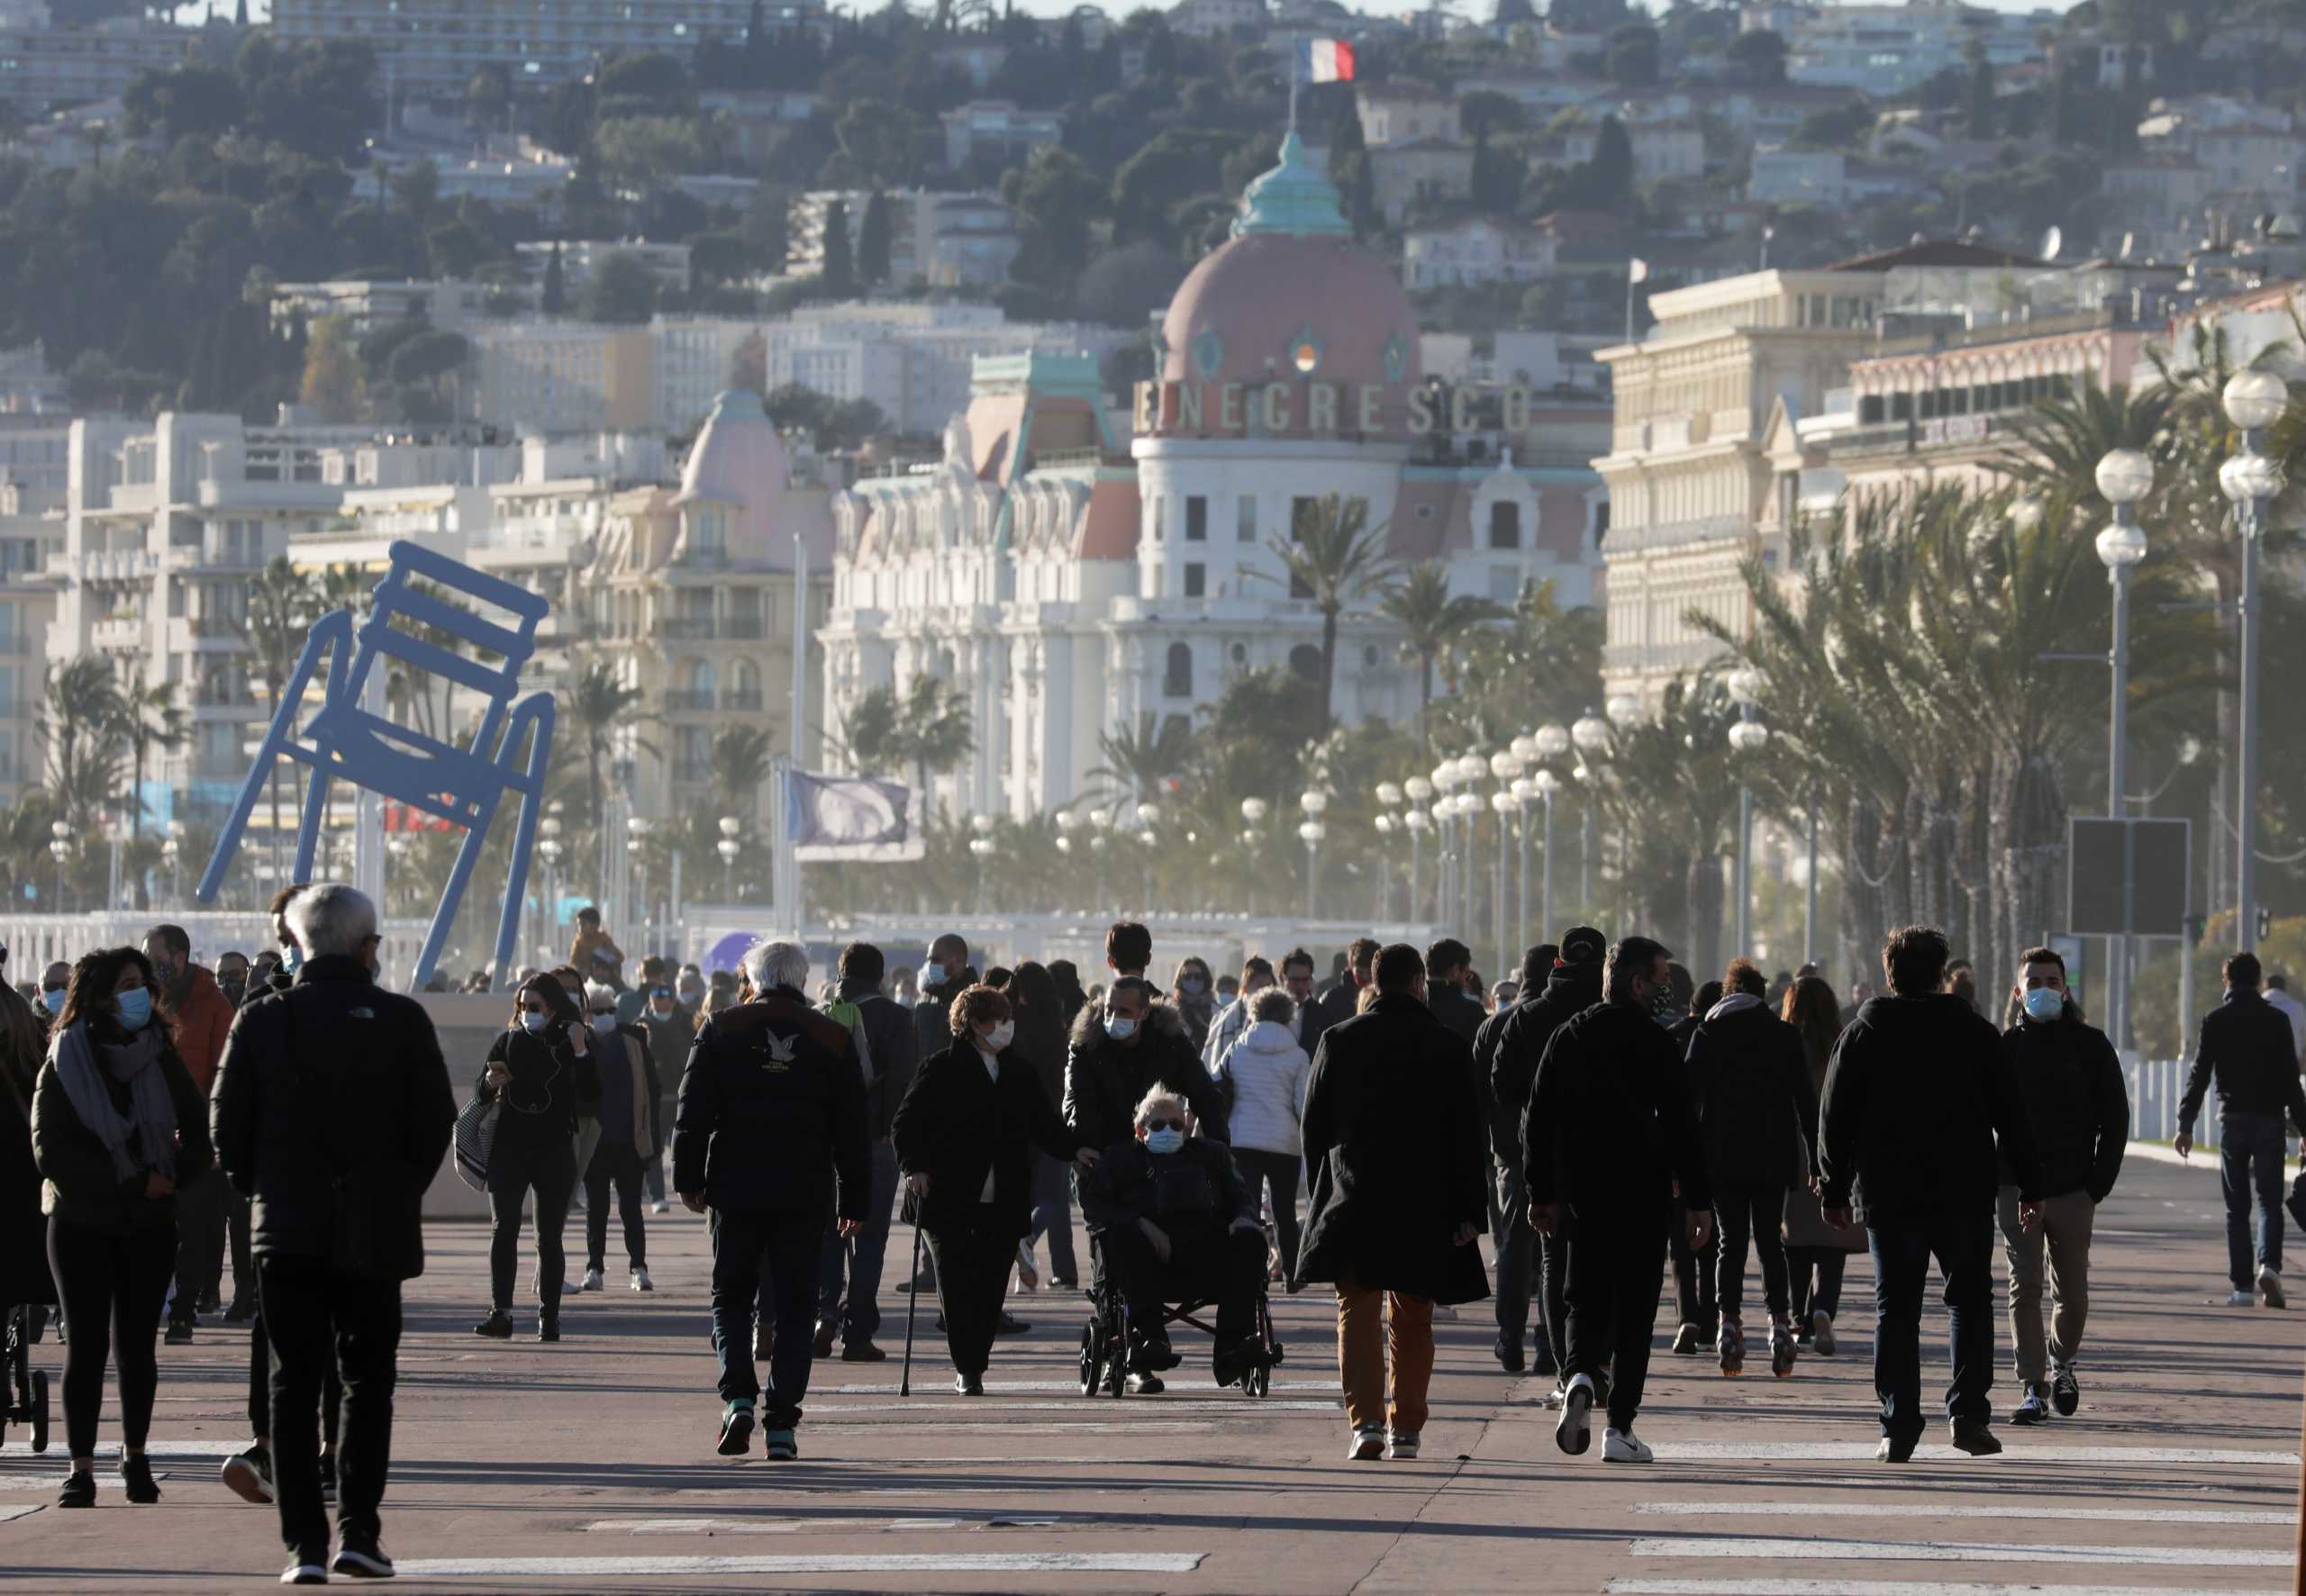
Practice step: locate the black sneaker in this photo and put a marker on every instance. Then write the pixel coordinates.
(209, 1303)
(249, 1474)
(821, 1346)
(239, 1313)
(2065, 1391)
(328, 1478)
(968, 1384)
(309, 1568)
(1011, 1325)
(549, 1327)
(136, 1473)
(1544, 1362)
(498, 1326)
(362, 1559)
(79, 1489)
(736, 1430)
(1975, 1436)
(1509, 1355)
(2034, 1410)
(862, 1352)
(1686, 1341)
(179, 1333)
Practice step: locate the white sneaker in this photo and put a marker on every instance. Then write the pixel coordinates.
(641, 1282)
(1575, 1432)
(1553, 1397)
(660, 1206)
(591, 1282)
(2270, 1287)
(1368, 1445)
(2238, 1298)
(1400, 1447)
(1616, 1446)
(1443, 1314)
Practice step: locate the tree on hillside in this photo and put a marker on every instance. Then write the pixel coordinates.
(873, 242)
(333, 383)
(553, 298)
(1052, 196)
(622, 289)
(836, 276)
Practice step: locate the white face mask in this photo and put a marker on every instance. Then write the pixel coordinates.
(605, 1024)
(1000, 1036)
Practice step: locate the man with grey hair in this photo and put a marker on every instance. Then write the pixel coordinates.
(770, 1134)
(333, 1111)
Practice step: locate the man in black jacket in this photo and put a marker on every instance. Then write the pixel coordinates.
(1573, 986)
(1340, 1001)
(1749, 1088)
(2071, 1084)
(1607, 1135)
(333, 1111)
(890, 1037)
(2246, 1043)
(1510, 1234)
(1176, 1221)
(1917, 1098)
(771, 1122)
(1119, 1052)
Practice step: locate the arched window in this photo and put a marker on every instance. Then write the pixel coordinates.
(1176, 681)
(1504, 524)
(1305, 660)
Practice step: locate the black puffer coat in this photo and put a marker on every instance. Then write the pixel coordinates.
(1105, 1079)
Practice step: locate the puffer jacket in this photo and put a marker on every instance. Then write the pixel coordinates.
(1749, 1088)
(1267, 1070)
(1104, 1080)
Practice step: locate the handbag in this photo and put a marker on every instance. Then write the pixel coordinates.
(376, 1231)
(476, 1134)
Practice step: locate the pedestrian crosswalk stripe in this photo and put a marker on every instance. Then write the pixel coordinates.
(1643, 1586)
(1001, 1387)
(790, 1525)
(216, 1448)
(1894, 1551)
(18, 1509)
(803, 1563)
(1863, 1451)
(1235, 1404)
(1867, 1510)
(1015, 1427)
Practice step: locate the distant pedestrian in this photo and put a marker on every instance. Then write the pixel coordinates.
(1267, 1072)
(539, 1068)
(2071, 1084)
(1128, 950)
(670, 1029)
(594, 954)
(1120, 1052)
(2245, 1044)
(1446, 963)
(1511, 1238)
(1392, 1140)
(2278, 994)
(1817, 1255)
(1342, 1000)
(1071, 999)
(1920, 1113)
(1041, 1042)
(1191, 995)
(1257, 975)
(626, 1145)
(849, 1285)
(332, 1113)
(1608, 1135)
(197, 1015)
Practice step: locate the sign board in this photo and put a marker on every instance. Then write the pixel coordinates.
(2147, 862)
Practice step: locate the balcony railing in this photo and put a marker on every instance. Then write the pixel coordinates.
(680, 701)
(747, 704)
(685, 627)
(743, 629)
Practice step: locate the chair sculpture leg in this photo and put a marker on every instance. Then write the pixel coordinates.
(536, 710)
(276, 738)
(308, 829)
(437, 936)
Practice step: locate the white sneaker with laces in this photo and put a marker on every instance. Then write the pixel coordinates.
(1368, 1445)
(591, 1282)
(2238, 1298)
(641, 1282)
(660, 1206)
(2270, 1287)
(1575, 1432)
(1616, 1446)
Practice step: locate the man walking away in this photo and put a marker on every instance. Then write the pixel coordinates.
(1915, 1098)
(2246, 1043)
(198, 1016)
(1749, 1087)
(1392, 1140)
(2070, 1082)
(628, 1140)
(333, 1111)
(1342, 1000)
(1128, 950)
(1573, 986)
(771, 1122)
(1607, 1134)
(889, 1035)
(1510, 1234)
(2277, 994)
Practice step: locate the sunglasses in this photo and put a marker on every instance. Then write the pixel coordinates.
(598, 1013)
(1165, 1124)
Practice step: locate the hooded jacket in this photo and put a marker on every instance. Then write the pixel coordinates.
(1104, 1080)
(1521, 1043)
(2071, 1083)
(1608, 1130)
(1749, 1088)
(1917, 1093)
(1267, 1070)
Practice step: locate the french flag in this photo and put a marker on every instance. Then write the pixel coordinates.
(1324, 60)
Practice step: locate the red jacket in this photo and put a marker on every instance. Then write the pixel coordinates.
(198, 1026)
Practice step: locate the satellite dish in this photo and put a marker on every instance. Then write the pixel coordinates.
(2130, 242)
(2052, 242)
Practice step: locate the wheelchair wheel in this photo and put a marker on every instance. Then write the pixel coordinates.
(1092, 1359)
(1259, 1382)
(40, 1409)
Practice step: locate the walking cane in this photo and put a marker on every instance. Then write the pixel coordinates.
(911, 1301)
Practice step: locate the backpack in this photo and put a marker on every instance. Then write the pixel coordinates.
(851, 1018)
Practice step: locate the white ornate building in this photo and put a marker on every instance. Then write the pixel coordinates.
(1073, 578)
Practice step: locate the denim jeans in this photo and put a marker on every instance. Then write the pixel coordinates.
(860, 1260)
(1963, 1245)
(2249, 1152)
(322, 1322)
(1053, 1215)
(1516, 1246)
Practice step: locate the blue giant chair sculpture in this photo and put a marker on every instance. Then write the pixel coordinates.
(345, 741)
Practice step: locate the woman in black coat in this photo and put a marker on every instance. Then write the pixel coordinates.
(964, 1137)
(23, 1233)
(116, 1126)
(541, 1067)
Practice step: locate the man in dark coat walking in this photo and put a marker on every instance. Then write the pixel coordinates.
(1119, 1052)
(1392, 1139)
(1917, 1097)
(2246, 1045)
(1340, 1001)
(1608, 1133)
(1510, 1238)
(331, 1111)
(890, 1037)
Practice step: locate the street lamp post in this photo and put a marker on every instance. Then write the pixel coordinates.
(1591, 734)
(1547, 784)
(727, 849)
(2124, 477)
(636, 847)
(1253, 813)
(1747, 736)
(1471, 769)
(1624, 711)
(1445, 806)
(60, 849)
(1389, 797)
(1148, 815)
(1505, 766)
(1314, 802)
(2255, 401)
(1810, 888)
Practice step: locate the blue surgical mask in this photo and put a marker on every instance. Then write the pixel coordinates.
(53, 1002)
(2045, 1003)
(534, 1024)
(292, 959)
(1120, 1027)
(1168, 1139)
(135, 1008)
(1193, 985)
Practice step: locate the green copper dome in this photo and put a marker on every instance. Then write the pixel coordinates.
(1294, 197)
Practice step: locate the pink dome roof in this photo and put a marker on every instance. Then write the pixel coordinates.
(1299, 308)
(739, 461)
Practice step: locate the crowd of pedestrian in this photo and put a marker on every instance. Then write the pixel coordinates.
(1607, 1120)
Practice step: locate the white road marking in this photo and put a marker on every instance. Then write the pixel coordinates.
(2047, 1515)
(1013, 1428)
(828, 1523)
(1000, 1387)
(18, 1509)
(804, 1563)
(217, 1449)
(1894, 1551)
(1858, 1451)
(10, 1481)
(1237, 1405)
(1638, 1586)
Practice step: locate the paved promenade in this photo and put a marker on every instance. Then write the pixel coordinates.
(589, 1465)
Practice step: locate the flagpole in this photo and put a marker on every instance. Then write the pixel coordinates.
(1629, 304)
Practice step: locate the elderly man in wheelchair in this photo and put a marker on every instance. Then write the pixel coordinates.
(1176, 1223)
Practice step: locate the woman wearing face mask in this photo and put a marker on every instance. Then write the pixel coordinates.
(964, 1138)
(1267, 1070)
(541, 1067)
(627, 1144)
(1237, 1016)
(23, 1233)
(116, 1123)
(1194, 997)
(53, 983)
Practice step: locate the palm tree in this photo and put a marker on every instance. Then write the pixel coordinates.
(872, 734)
(1332, 557)
(81, 705)
(741, 764)
(938, 731)
(150, 719)
(598, 707)
(1138, 760)
(1421, 603)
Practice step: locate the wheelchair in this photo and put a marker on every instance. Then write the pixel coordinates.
(1104, 1340)
(23, 1390)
